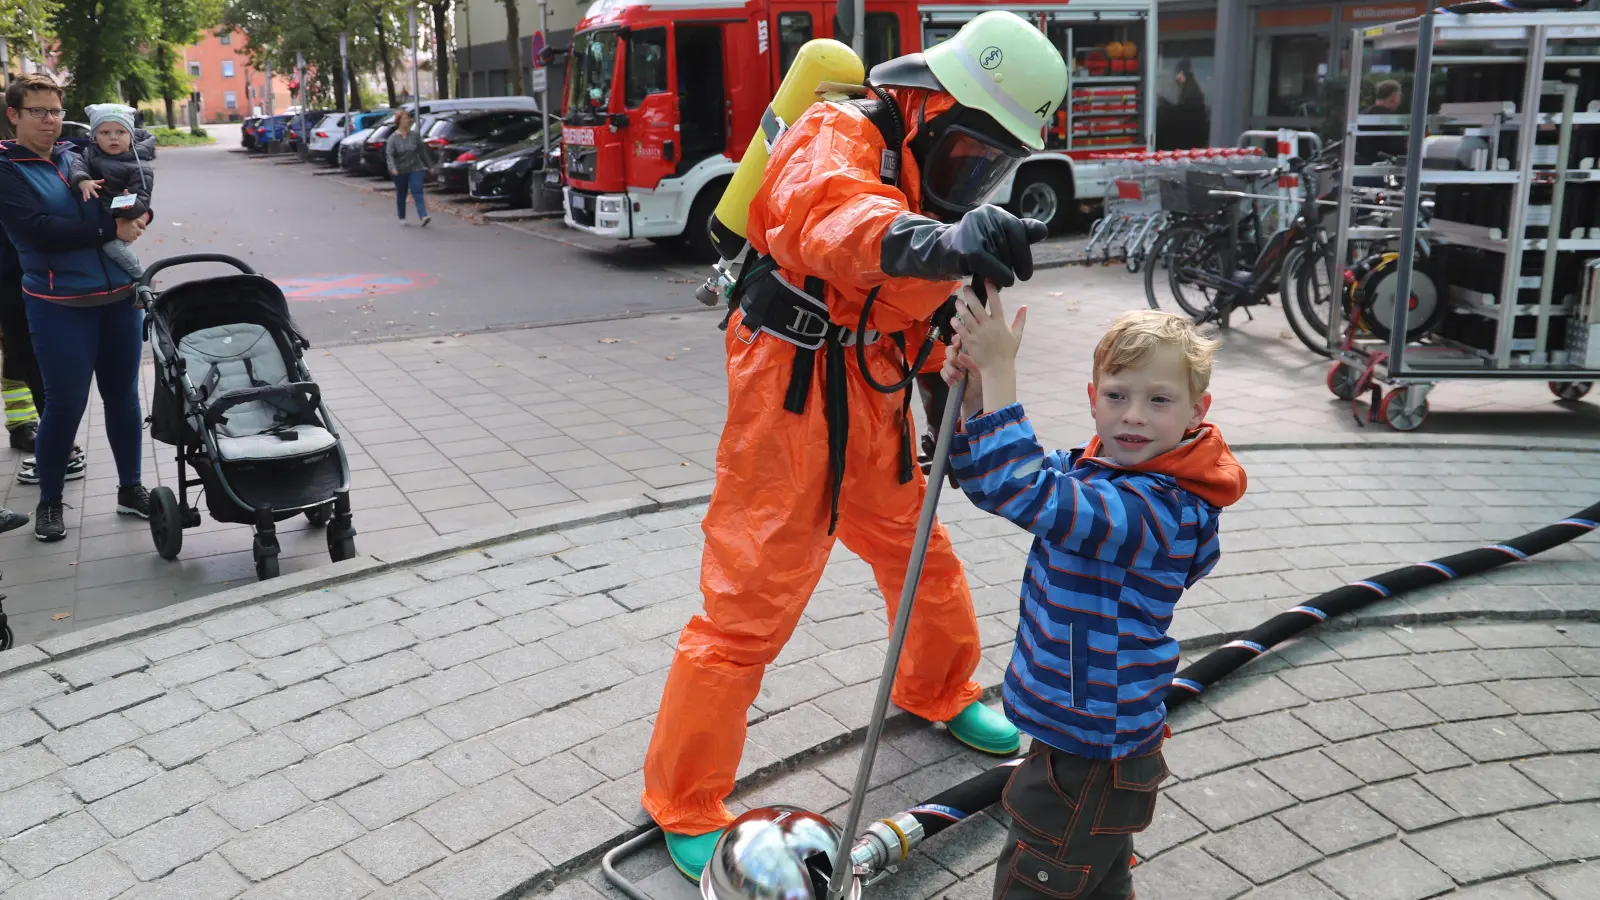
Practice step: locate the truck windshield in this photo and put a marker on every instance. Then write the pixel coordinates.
(594, 57)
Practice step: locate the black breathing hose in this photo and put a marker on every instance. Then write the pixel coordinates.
(982, 791)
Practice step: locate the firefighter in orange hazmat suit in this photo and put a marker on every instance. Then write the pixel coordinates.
(815, 445)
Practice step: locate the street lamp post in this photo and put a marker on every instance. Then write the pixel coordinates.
(344, 79)
(416, 62)
(544, 91)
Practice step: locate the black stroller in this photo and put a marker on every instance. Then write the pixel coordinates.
(232, 393)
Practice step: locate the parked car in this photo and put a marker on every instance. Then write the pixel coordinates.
(247, 132)
(463, 140)
(273, 128)
(350, 152)
(303, 121)
(328, 133)
(509, 175)
(76, 134)
(373, 157)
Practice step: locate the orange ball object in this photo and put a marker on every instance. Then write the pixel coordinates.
(1114, 50)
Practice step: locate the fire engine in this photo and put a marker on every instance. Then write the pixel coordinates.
(662, 97)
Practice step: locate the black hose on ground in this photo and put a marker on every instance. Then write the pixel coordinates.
(982, 791)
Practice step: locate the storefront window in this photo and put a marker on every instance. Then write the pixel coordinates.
(1295, 66)
(1185, 93)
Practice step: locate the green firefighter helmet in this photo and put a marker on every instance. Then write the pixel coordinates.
(997, 63)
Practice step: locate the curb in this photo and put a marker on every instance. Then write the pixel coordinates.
(27, 656)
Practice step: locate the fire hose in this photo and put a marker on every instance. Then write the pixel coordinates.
(889, 841)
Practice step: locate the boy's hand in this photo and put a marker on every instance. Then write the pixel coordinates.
(991, 344)
(958, 365)
(90, 189)
(983, 331)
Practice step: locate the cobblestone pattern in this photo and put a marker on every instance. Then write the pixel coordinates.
(1390, 763)
(469, 728)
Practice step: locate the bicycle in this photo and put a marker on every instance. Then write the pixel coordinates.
(1200, 254)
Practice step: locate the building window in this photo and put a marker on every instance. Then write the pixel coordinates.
(194, 68)
(227, 68)
(226, 37)
(1184, 91)
(1289, 74)
(230, 100)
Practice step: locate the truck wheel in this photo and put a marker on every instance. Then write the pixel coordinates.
(698, 232)
(1041, 193)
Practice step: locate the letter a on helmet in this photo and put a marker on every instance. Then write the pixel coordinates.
(1000, 64)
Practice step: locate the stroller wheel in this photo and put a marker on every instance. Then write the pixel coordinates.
(266, 567)
(318, 516)
(341, 549)
(6, 638)
(166, 522)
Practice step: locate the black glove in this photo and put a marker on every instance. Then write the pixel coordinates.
(988, 243)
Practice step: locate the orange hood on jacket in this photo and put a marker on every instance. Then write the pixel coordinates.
(1202, 464)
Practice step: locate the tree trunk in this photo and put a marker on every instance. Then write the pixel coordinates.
(166, 91)
(441, 47)
(514, 47)
(355, 86)
(388, 63)
(338, 92)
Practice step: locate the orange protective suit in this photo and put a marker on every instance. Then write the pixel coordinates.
(820, 211)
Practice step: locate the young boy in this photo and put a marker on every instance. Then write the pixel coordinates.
(113, 166)
(1122, 525)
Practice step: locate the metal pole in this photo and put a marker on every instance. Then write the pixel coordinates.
(544, 93)
(344, 78)
(897, 637)
(416, 66)
(270, 91)
(1412, 197)
(858, 39)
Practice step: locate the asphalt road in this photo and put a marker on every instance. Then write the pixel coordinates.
(354, 273)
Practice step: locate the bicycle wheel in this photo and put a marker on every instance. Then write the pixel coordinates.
(1184, 252)
(1308, 291)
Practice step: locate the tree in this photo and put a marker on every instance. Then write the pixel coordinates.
(23, 23)
(441, 46)
(182, 22)
(280, 29)
(514, 47)
(103, 43)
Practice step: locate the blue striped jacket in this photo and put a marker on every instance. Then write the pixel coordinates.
(1113, 550)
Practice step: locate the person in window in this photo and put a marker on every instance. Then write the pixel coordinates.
(1387, 100)
(1184, 124)
(79, 302)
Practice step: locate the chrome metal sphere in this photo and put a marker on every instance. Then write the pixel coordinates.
(774, 853)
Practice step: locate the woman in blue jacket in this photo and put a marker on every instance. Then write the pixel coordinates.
(79, 303)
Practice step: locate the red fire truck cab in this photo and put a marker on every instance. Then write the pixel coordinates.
(663, 95)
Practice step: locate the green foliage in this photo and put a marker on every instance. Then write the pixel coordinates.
(102, 44)
(175, 137)
(23, 19)
(280, 29)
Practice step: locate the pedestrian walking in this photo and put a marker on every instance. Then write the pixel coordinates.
(79, 302)
(409, 159)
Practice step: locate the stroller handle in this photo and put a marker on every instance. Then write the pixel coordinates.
(151, 270)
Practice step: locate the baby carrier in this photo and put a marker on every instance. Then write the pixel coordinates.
(233, 395)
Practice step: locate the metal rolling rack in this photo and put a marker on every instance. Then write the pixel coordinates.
(1410, 369)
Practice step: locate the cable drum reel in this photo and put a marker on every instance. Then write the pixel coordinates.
(1371, 284)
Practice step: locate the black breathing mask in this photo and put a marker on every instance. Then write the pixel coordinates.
(964, 154)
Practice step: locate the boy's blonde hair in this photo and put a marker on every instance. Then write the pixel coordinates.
(1132, 335)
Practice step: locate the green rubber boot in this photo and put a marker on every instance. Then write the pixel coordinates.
(985, 730)
(691, 852)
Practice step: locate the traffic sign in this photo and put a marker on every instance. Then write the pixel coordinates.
(538, 50)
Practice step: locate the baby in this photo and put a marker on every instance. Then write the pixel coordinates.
(115, 166)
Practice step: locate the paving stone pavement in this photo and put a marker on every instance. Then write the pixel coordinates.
(455, 431)
(473, 728)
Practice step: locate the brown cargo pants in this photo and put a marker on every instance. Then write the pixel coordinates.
(1072, 825)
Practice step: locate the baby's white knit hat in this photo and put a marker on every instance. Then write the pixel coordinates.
(101, 113)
